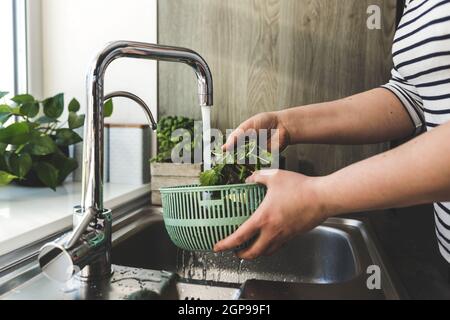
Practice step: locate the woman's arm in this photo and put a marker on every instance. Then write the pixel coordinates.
(369, 117)
(415, 173)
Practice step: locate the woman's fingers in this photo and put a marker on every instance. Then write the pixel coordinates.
(262, 176)
(231, 140)
(233, 137)
(261, 244)
(244, 233)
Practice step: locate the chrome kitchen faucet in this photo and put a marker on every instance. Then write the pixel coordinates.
(88, 248)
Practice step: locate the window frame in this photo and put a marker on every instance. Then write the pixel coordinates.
(26, 47)
(34, 45)
(8, 59)
(20, 46)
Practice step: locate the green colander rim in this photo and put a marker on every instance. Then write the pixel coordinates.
(197, 187)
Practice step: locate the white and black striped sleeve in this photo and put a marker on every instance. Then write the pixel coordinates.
(410, 99)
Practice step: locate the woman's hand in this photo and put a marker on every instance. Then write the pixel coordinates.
(291, 206)
(269, 121)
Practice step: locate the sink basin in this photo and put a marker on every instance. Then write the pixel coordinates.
(329, 262)
(324, 255)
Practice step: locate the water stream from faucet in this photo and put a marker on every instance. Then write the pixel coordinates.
(206, 120)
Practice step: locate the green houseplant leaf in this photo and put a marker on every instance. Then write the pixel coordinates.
(16, 111)
(6, 178)
(15, 134)
(20, 164)
(47, 173)
(41, 145)
(74, 105)
(23, 98)
(75, 121)
(3, 94)
(54, 106)
(67, 137)
(2, 148)
(45, 120)
(108, 108)
(4, 117)
(4, 158)
(30, 109)
(5, 113)
(4, 108)
(64, 165)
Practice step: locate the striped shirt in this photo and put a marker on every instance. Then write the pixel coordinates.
(421, 79)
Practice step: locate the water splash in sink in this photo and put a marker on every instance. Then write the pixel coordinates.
(239, 271)
(206, 267)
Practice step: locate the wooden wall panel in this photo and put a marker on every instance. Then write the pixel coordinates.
(273, 54)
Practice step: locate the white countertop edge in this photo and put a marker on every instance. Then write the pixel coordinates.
(36, 234)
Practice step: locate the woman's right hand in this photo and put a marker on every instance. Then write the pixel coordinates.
(267, 120)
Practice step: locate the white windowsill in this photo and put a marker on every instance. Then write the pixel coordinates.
(30, 214)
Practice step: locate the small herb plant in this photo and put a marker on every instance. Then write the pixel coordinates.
(228, 168)
(166, 143)
(235, 167)
(35, 145)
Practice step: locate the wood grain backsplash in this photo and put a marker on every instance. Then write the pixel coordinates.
(273, 54)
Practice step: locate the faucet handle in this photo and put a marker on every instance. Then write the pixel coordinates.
(62, 259)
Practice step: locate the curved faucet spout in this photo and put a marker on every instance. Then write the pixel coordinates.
(92, 193)
(149, 51)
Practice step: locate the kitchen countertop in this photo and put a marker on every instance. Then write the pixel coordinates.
(407, 237)
(28, 214)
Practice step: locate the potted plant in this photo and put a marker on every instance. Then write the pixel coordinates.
(165, 173)
(34, 148)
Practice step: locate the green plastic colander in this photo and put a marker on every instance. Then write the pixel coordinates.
(196, 217)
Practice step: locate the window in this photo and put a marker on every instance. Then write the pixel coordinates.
(13, 62)
(29, 214)
(7, 79)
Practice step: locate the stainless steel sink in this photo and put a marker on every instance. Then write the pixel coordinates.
(327, 254)
(329, 262)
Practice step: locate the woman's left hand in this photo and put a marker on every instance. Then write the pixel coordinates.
(291, 206)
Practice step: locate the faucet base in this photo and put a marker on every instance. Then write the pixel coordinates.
(95, 273)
